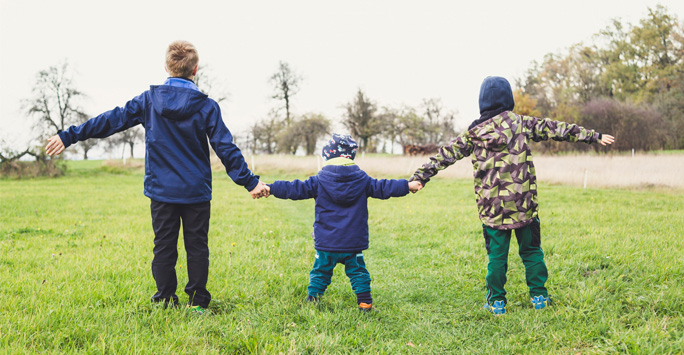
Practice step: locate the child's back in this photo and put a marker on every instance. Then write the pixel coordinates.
(506, 183)
(341, 193)
(503, 168)
(178, 119)
(341, 190)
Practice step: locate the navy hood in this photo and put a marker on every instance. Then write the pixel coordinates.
(176, 103)
(496, 96)
(344, 184)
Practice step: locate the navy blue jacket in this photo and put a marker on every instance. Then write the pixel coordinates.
(177, 121)
(341, 193)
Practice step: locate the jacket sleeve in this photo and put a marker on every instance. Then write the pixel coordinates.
(541, 129)
(221, 141)
(295, 190)
(108, 123)
(385, 188)
(455, 150)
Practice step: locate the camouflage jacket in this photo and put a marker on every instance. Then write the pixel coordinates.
(505, 180)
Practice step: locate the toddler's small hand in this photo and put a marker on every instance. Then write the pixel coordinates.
(415, 186)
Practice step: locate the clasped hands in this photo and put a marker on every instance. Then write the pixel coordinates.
(261, 190)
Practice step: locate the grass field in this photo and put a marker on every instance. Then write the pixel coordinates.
(75, 275)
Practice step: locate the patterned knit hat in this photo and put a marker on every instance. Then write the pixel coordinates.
(340, 145)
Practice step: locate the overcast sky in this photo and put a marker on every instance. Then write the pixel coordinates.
(398, 52)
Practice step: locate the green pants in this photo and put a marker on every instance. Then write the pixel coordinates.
(325, 263)
(529, 249)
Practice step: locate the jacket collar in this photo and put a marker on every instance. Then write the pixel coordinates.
(339, 161)
(181, 82)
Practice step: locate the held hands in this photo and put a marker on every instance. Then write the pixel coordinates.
(261, 190)
(54, 146)
(607, 139)
(415, 186)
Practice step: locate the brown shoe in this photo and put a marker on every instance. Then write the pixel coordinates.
(365, 307)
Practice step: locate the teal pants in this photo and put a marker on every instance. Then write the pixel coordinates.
(530, 251)
(325, 263)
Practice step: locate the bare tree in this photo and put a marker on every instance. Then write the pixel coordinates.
(206, 81)
(10, 155)
(286, 84)
(440, 122)
(55, 101)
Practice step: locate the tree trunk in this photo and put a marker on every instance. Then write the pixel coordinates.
(131, 144)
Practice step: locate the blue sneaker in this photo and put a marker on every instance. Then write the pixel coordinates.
(497, 308)
(539, 302)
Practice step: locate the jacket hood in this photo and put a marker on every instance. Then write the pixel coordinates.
(496, 96)
(344, 184)
(176, 103)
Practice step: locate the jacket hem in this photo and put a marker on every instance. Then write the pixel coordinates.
(503, 227)
(337, 250)
(180, 201)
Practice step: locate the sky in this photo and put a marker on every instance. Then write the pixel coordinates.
(397, 52)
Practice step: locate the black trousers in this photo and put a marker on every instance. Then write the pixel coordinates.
(166, 222)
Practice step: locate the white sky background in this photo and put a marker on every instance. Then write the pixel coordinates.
(398, 52)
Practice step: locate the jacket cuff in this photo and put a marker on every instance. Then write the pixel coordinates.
(405, 188)
(65, 139)
(421, 181)
(253, 183)
(275, 189)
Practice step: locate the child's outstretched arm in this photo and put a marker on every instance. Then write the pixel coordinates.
(101, 126)
(455, 150)
(386, 188)
(542, 129)
(295, 190)
(221, 141)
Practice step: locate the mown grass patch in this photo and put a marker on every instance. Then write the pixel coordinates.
(75, 275)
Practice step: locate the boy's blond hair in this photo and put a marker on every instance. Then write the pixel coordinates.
(181, 59)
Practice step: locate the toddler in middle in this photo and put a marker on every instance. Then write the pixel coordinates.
(341, 190)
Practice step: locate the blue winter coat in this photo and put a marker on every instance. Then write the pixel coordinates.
(177, 119)
(341, 193)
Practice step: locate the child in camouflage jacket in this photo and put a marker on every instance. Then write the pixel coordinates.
(505, 183)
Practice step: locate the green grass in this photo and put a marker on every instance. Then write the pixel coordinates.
(75, 275)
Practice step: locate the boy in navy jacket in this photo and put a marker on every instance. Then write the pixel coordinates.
(341, 190)
(177, 118)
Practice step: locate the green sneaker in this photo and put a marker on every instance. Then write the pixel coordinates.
(198, 311)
